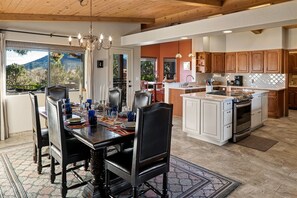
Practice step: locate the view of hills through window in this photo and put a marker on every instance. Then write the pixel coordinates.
(33, 70)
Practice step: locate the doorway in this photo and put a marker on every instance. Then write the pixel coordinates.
(121, 72)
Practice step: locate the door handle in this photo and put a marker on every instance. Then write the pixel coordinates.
(130, 86)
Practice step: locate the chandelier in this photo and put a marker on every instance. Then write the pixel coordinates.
(91, 41)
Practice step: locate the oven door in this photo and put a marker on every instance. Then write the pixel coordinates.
(242, 116)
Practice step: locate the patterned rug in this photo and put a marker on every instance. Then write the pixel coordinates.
(19, 178)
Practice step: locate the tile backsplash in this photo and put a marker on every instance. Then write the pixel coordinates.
(249, 80)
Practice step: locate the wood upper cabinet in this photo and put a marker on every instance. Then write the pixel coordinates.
(230, 62)
(292, 62)
(203, 62)
(218, 62)
(257, 61)
(273, 61)
(242, 62)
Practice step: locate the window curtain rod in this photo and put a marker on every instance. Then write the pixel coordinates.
(35, 33)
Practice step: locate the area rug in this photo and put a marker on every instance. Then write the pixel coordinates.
(19, 178)
(258, 143)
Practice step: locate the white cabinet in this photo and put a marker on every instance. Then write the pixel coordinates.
(191, 115)
(208, 120)
(259, 109)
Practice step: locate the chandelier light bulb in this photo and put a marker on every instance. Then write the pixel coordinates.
(79, 36)
(110, 39)
(101, 37)
(70, 39)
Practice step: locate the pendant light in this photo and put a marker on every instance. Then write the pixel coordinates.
(178, 55)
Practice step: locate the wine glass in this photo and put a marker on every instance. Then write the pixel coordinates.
(114, 116)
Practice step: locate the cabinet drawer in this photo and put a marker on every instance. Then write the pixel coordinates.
(227, 132)
(227, 105)
(228, 116)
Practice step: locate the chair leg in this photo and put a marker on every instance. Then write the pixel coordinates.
(64, 182)
(86, 165)
(165, 181)
(39, 162)
(34, 153)
(107, 190)
(135, 191)
(53, 174)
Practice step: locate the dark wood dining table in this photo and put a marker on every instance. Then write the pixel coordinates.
(98, 138)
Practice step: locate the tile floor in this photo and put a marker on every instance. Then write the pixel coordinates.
(263, 174)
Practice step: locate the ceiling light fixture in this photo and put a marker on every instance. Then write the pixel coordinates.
(259, 6)
(191, 55)
(90, 41)
(227, 31)
(178, 55)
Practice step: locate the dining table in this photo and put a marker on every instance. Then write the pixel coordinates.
(98, 138)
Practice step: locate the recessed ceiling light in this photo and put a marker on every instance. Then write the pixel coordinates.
(260, 6)
(227, 31)
(184, 38)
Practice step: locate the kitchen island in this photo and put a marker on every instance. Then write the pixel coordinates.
(210, 117)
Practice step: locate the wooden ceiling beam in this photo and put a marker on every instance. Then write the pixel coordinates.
(217, 3)
(44, 17)
(203, 12)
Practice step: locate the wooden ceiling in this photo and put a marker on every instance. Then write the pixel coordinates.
(151, 14)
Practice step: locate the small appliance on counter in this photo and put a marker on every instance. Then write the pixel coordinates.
(238, 80)
(209, 87)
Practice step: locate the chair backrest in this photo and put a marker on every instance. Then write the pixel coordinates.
(57, 92)
(56, 125)
(35, 116)
(152, 135)
(141, 99)
(115, 98)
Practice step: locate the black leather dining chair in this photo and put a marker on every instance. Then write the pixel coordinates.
(141, 99)
(40, 135)
(57, 92)
(63, 150)
(150, 155)
(115, 98)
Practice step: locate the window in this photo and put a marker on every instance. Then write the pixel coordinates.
(148, 69)
(32, 67)
(169, 68)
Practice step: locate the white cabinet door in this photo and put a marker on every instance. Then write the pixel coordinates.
(256, 118)
(191, 115)
(210, 119)
(264, 106)
(256, 102)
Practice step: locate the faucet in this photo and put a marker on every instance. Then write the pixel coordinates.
(188, 76)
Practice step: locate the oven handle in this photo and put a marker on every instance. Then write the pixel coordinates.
(243, 104)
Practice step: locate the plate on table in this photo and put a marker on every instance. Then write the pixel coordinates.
(76, 121)
(129, 126)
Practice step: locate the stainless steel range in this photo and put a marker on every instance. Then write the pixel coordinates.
(242, 105)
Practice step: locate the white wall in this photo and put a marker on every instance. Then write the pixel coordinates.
(245, 41)
(18, 106)
(292, 39)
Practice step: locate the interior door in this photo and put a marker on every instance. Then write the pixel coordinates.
(121, 72)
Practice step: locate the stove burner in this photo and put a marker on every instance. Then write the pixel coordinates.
(238, 96)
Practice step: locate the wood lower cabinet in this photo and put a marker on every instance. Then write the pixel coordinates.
(292, 92)
(273, 61)
(176, 99)
(276, 104)
(257, 62)
(218, 62)
(242, 62)
(230, 62)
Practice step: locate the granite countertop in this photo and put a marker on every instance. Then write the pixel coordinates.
(204, 95)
